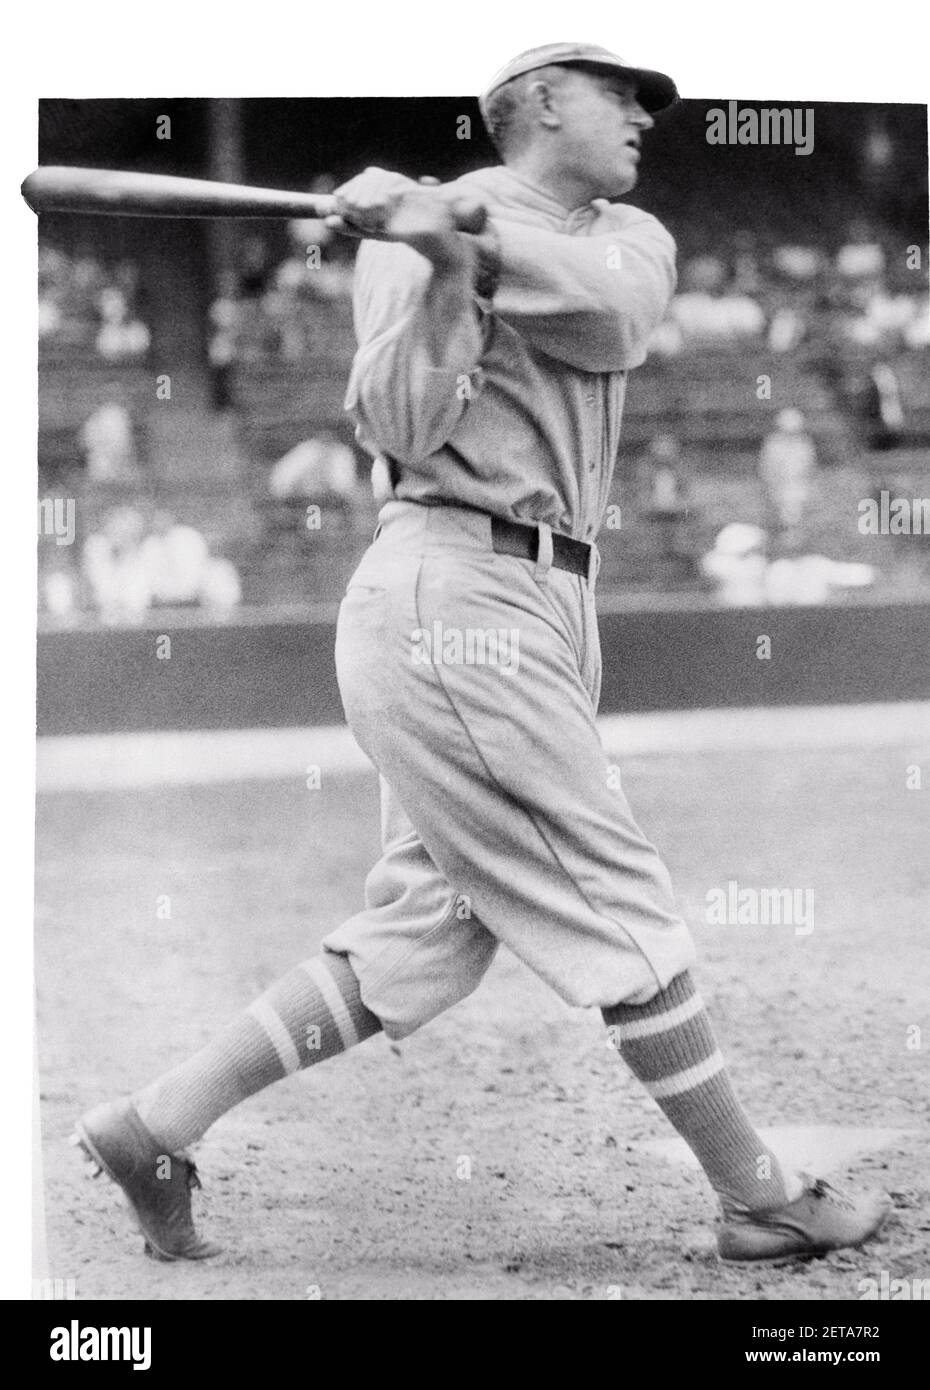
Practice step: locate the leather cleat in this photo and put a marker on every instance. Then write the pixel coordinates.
(156, 1185)
(820, 1220)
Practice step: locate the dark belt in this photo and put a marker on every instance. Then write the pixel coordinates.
(510, 538)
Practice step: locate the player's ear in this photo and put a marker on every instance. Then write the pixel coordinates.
(542, 98)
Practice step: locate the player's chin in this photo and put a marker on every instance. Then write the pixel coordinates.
(624, 180)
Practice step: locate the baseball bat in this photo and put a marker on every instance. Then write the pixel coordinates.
(124, 193)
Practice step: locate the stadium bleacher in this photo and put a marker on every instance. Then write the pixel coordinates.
(286, 384)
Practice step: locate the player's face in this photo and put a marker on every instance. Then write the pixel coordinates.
(602, 125)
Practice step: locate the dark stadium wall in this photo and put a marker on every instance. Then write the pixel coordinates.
(280, 672)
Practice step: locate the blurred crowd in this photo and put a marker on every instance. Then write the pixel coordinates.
(863, 296)
(138, 559)
(748, 564)
(286, 299)
(269, 306)
(783, 296)
(90, 307)
(744, 573)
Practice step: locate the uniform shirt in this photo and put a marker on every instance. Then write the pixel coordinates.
(520, 416)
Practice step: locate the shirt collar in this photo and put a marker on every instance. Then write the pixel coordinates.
(509, 185)
(542, 197)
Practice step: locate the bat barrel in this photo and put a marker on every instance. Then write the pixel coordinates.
(58, 188)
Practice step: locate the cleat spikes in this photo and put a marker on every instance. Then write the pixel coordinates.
(93, 1168)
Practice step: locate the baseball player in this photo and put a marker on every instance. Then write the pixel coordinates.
(490, 379)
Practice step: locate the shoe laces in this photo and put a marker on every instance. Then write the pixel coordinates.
(828, 1193)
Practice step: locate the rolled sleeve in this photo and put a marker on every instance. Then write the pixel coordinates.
(593, 301)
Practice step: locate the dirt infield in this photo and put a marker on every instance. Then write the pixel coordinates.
(494, 1155)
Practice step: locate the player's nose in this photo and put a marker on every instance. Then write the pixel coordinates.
(640, 117)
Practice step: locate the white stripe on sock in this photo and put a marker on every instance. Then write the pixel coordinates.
(661, 1023)
(686, 1080)
(345, 1023)
(278, 1035)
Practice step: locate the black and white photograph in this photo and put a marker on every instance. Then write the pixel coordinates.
(482, 688)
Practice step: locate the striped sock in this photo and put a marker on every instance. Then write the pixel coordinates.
(312, 1013)
(670, 1047)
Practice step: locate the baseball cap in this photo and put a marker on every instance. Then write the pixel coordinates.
(654, 89)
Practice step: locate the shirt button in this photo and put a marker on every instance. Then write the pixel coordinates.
(590, 398)
(592, 467)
